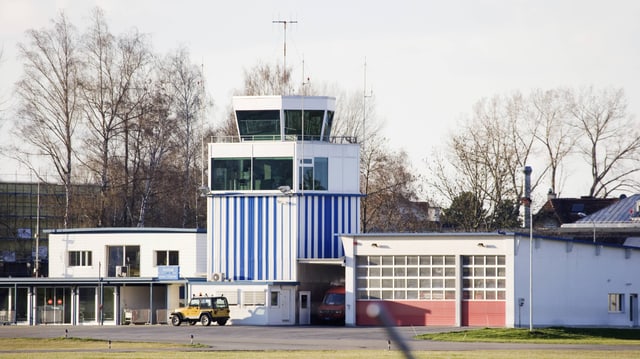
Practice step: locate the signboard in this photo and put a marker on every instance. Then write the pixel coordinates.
(24, 233)
(168, 272)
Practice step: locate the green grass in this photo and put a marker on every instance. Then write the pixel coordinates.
(552, 335)
(76, 348)
(26, 344)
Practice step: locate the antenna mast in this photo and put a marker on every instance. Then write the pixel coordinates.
(364, 103)
(284, 67)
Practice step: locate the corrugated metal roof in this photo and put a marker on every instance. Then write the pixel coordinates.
(621, 211)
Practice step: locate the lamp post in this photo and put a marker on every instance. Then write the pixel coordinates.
(527, 203)
(526, 200)
(530, 267)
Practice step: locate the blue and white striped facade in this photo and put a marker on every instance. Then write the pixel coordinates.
(259, 235)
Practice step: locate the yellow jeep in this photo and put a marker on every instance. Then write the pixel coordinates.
(204, 310)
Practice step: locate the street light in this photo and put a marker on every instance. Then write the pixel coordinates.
(527, 203)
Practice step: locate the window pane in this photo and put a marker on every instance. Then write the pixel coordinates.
(73, 259)
(449, 272)
(449, 260)
(306, 178)
(400, 283)
(362, 283)
(321, 174)
(230, 174)
(174, 258)
(271, 173)
(256, 125)
(161, 258)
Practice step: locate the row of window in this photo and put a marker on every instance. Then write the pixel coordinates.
(245, 173)
(265, 124)
(162, 258)
(430, 277)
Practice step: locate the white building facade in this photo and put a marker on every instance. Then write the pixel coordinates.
(479, 279)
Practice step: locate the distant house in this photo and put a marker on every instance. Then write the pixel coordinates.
(618, 223)
(558, 211)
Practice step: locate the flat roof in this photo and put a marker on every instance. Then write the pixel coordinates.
(126, 230)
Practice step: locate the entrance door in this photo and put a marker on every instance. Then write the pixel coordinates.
(304, 307)
(633, 309)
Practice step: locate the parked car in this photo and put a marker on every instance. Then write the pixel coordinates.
(332, 308)
(204, 310)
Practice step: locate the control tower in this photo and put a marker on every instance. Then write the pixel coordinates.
(281, 191)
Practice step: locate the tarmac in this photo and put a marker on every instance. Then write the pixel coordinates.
(256, 338)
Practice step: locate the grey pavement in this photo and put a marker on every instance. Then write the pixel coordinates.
(232, 337)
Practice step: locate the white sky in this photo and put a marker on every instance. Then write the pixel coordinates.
(428, 62)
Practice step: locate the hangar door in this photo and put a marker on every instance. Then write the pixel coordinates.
(483, 290)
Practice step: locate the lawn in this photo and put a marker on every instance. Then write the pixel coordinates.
(73, 348)
(552, 335)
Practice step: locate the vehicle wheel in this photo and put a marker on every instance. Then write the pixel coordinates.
(193, 322)
(222, 321)
(205, 320)
(175, 320)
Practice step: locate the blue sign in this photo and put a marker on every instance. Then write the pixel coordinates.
(169, 272)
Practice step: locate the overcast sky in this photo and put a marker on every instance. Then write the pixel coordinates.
(428, 62)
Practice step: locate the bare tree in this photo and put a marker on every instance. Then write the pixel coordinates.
(49, 95)
(486, 156)
(111, 66)
(609, 139)
(556, 134)
(388, 184)
(185, 85)
(265, 79)
(154, 140)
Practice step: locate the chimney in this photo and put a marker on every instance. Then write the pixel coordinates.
(527, 196)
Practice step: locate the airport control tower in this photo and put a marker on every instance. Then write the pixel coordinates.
(281, 191)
